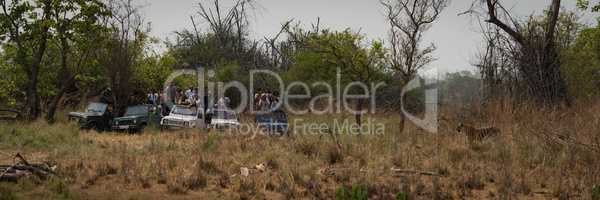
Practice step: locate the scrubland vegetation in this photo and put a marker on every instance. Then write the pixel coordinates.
(537, 82)
(540, 155)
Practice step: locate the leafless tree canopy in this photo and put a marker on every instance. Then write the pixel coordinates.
(124, 47)
(533, 45)
(409, 19)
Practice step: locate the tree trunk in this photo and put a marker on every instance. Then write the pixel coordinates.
(32, 92)
(65, 75)
(359, 108)
(54, 105)
(402, 122)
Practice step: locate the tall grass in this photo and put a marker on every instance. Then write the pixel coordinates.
(38, 135)
(540, 154)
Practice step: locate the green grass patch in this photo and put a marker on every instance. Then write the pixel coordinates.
(38, 135)
(356, 192)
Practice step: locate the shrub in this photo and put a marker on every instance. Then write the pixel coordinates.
(596, 192)
(357, 192)
(401, 196)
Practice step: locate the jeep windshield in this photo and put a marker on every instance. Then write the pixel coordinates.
(180, 110)
(136, 110)
(96, 108)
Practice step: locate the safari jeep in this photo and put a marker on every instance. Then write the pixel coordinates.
(95, 117)
(180, 117)
(221, 119)
(275, 122)
(136, 118)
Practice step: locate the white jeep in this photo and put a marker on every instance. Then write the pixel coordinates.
(223, 119)
(181, 117)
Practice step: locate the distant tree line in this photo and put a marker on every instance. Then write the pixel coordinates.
(59, 53)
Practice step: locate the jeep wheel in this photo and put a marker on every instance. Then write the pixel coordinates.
(93, 126)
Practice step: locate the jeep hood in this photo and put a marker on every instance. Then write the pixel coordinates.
(180, 118)
(84, 114)
(224, 121)
(128, 117)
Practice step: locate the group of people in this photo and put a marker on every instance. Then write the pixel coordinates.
(175, 95)
(265, 99)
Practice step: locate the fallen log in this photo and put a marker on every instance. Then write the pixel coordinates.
(14, 176)
(9, 115)
(22, 169)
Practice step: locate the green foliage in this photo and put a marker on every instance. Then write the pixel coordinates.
(153, 71)
(186, 81)
(10, 76)
(401, 196)
(229, 72)
(324, 53)
(585, 4)
(582, 64)
(596, 192)
(357, 192)
(68, 30)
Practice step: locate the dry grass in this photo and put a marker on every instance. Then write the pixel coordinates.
(540, 155)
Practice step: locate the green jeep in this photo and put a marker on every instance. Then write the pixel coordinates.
(95, 116)
(135, 120)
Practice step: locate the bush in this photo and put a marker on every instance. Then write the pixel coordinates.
(357, 192)
(596, 192)
(401, 196)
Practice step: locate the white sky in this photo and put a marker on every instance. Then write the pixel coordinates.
(456, 37)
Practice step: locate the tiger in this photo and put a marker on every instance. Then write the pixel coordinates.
(474, 134)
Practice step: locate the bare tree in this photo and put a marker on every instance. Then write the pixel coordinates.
(537, 53)
(228, 26)
(124, 46)
(409, 19)
(501, 61)
(279, 53)
(499, 74)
